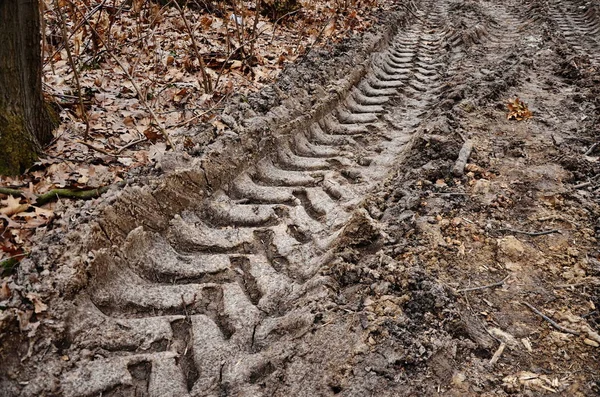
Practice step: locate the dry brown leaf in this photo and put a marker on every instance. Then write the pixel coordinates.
(38, 305)
(12, 206)
(518, 110)
(5, 291)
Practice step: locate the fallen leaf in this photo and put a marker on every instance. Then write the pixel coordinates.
(12, 206)
(5, 292)
(518, 110)
(38, 305)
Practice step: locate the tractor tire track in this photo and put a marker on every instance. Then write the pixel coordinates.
(579, 23)
(212, 307)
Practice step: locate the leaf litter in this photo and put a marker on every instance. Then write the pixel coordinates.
(119, 48)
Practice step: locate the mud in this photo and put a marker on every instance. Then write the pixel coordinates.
(333, 251)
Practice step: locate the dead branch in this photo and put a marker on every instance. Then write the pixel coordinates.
(310, 47)
(533, 234)
(63, 28)
(11, 192)
(497, 284)
(463, 157)
(591, 149)
(206, 82)
(98, 149)
(550, 321)
(55, 194)
(132, 143)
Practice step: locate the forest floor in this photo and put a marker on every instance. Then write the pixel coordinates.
(412, 212)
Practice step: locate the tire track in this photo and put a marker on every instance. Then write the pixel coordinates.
(579, 23)
(213, 306)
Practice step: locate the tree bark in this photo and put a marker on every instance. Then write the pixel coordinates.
(26, 122)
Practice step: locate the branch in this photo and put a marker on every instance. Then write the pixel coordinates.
(498, 284)
(206, 82)
(63, 26)
(550, 321)
(55, 194)
(534, 234)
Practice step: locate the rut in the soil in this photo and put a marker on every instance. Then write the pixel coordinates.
(579, 23)
(213, 306)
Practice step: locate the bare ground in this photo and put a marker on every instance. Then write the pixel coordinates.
(341, 254)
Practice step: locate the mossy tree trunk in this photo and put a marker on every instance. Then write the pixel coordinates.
(26, 123)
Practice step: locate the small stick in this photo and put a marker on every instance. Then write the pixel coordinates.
(534, 234)
(310, 47)
(550, 321)
(141, 98)
(591, 149)
(582, 185)
(498, 284)
(63, 27)
(498, 353)
(94, 147)
(197, 116)
(130, 144)
(463, 157)
(206, 81)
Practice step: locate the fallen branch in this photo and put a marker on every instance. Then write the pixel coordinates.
(55, 194)
(63, 26)
(463, 157)
(591, 149)
(130, 144)
(498, 284)
(550, 321)
(94, 147)
(533, 234)
(11, 192)
(206, 81)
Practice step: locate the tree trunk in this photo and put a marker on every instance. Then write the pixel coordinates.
(26, 123)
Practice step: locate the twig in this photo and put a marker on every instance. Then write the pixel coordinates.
(550, 321)
(54, 194)
(135, 87)
(310, 47)
(277, 21)
(534, 234)
(11, 192)
(94, 147)
(75, 29)
(254, 26)
(206, 82)
(197, 116)
(497, 284)
(63, 26)
(582, 185)
(130, 144)
(413, 13)
(591, 149)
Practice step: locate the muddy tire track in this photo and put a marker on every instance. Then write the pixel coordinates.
(579, 23)
(213, 306)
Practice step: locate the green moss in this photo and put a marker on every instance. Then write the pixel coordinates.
(17, 152)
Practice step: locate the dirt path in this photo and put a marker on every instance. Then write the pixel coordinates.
(348, 261)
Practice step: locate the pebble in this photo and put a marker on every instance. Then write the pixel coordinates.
(590, 342)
